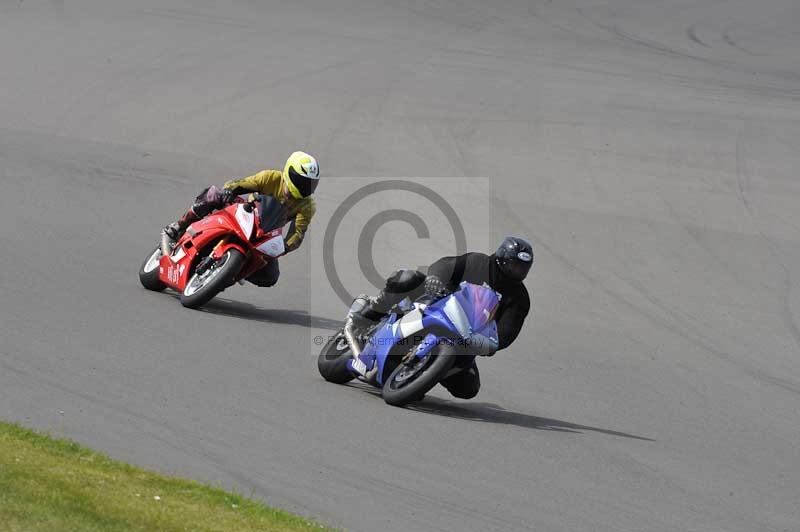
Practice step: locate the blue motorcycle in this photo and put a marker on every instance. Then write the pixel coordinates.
(413, 349)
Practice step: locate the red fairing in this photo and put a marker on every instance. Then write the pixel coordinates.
(231, 227)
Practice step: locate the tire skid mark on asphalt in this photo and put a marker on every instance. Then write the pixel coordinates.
(697, 337)
(695, 234)
(676, 325)
(728, 39)
(652, 45)
(691, 31)
(790, 321)
(751, 70)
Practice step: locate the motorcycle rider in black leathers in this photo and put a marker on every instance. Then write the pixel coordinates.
(503, 271)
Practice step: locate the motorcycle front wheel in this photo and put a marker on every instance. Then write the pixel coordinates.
(202, 287)
(411, 381)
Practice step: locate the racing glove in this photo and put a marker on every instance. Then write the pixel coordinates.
(226, 196)
(435, 289)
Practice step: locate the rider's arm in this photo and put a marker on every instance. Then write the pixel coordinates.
(510, 320)
(263, 182)
(449, 271)
(443, 278)
(297, 230)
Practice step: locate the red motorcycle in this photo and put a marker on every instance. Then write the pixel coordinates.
(226, 246)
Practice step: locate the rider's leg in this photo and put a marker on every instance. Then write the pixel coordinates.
(205, 202)
(464, 384)
(266, 276)
(367, 311)
(176, 229)
(401, 284)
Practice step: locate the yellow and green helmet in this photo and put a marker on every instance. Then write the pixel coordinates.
(301, 174)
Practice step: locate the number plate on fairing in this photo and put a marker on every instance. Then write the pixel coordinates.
(273, 245)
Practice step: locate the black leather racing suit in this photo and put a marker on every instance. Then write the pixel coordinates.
(444, 275)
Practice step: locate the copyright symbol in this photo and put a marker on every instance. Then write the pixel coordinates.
(366, 238)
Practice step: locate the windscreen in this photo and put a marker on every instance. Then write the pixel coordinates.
(272, 214)
(478, 302)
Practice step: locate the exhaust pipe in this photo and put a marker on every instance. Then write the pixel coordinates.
(356, 307)
(166, 250)
(352, 341)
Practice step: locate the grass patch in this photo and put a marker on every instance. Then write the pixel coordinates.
(49, 484)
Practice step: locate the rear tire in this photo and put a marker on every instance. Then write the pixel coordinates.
(406, 386)
(148, 272)
(218, 277)
(332, 360)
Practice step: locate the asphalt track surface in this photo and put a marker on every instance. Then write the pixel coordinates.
(650, 149)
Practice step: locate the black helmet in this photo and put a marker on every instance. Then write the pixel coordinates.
(514, 258)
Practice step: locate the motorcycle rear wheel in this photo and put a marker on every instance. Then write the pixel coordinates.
(202, 287)
(332, 360)
(148, 272)
(410, 382)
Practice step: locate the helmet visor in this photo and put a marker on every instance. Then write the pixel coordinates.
(515, 269)
(300, 184)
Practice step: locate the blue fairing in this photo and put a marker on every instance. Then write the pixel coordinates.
(468, 313)
(382, 342)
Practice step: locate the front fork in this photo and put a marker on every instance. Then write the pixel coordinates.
(209, 259)
(428, 343)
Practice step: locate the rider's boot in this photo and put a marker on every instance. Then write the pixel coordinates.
(176, 229)
(401, 284)
(375, 309)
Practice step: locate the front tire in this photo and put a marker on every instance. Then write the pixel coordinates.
(410, 382)
(332, 360)
(148, 272)
(201, 288)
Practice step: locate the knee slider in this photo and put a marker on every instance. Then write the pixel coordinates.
(464, 394)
